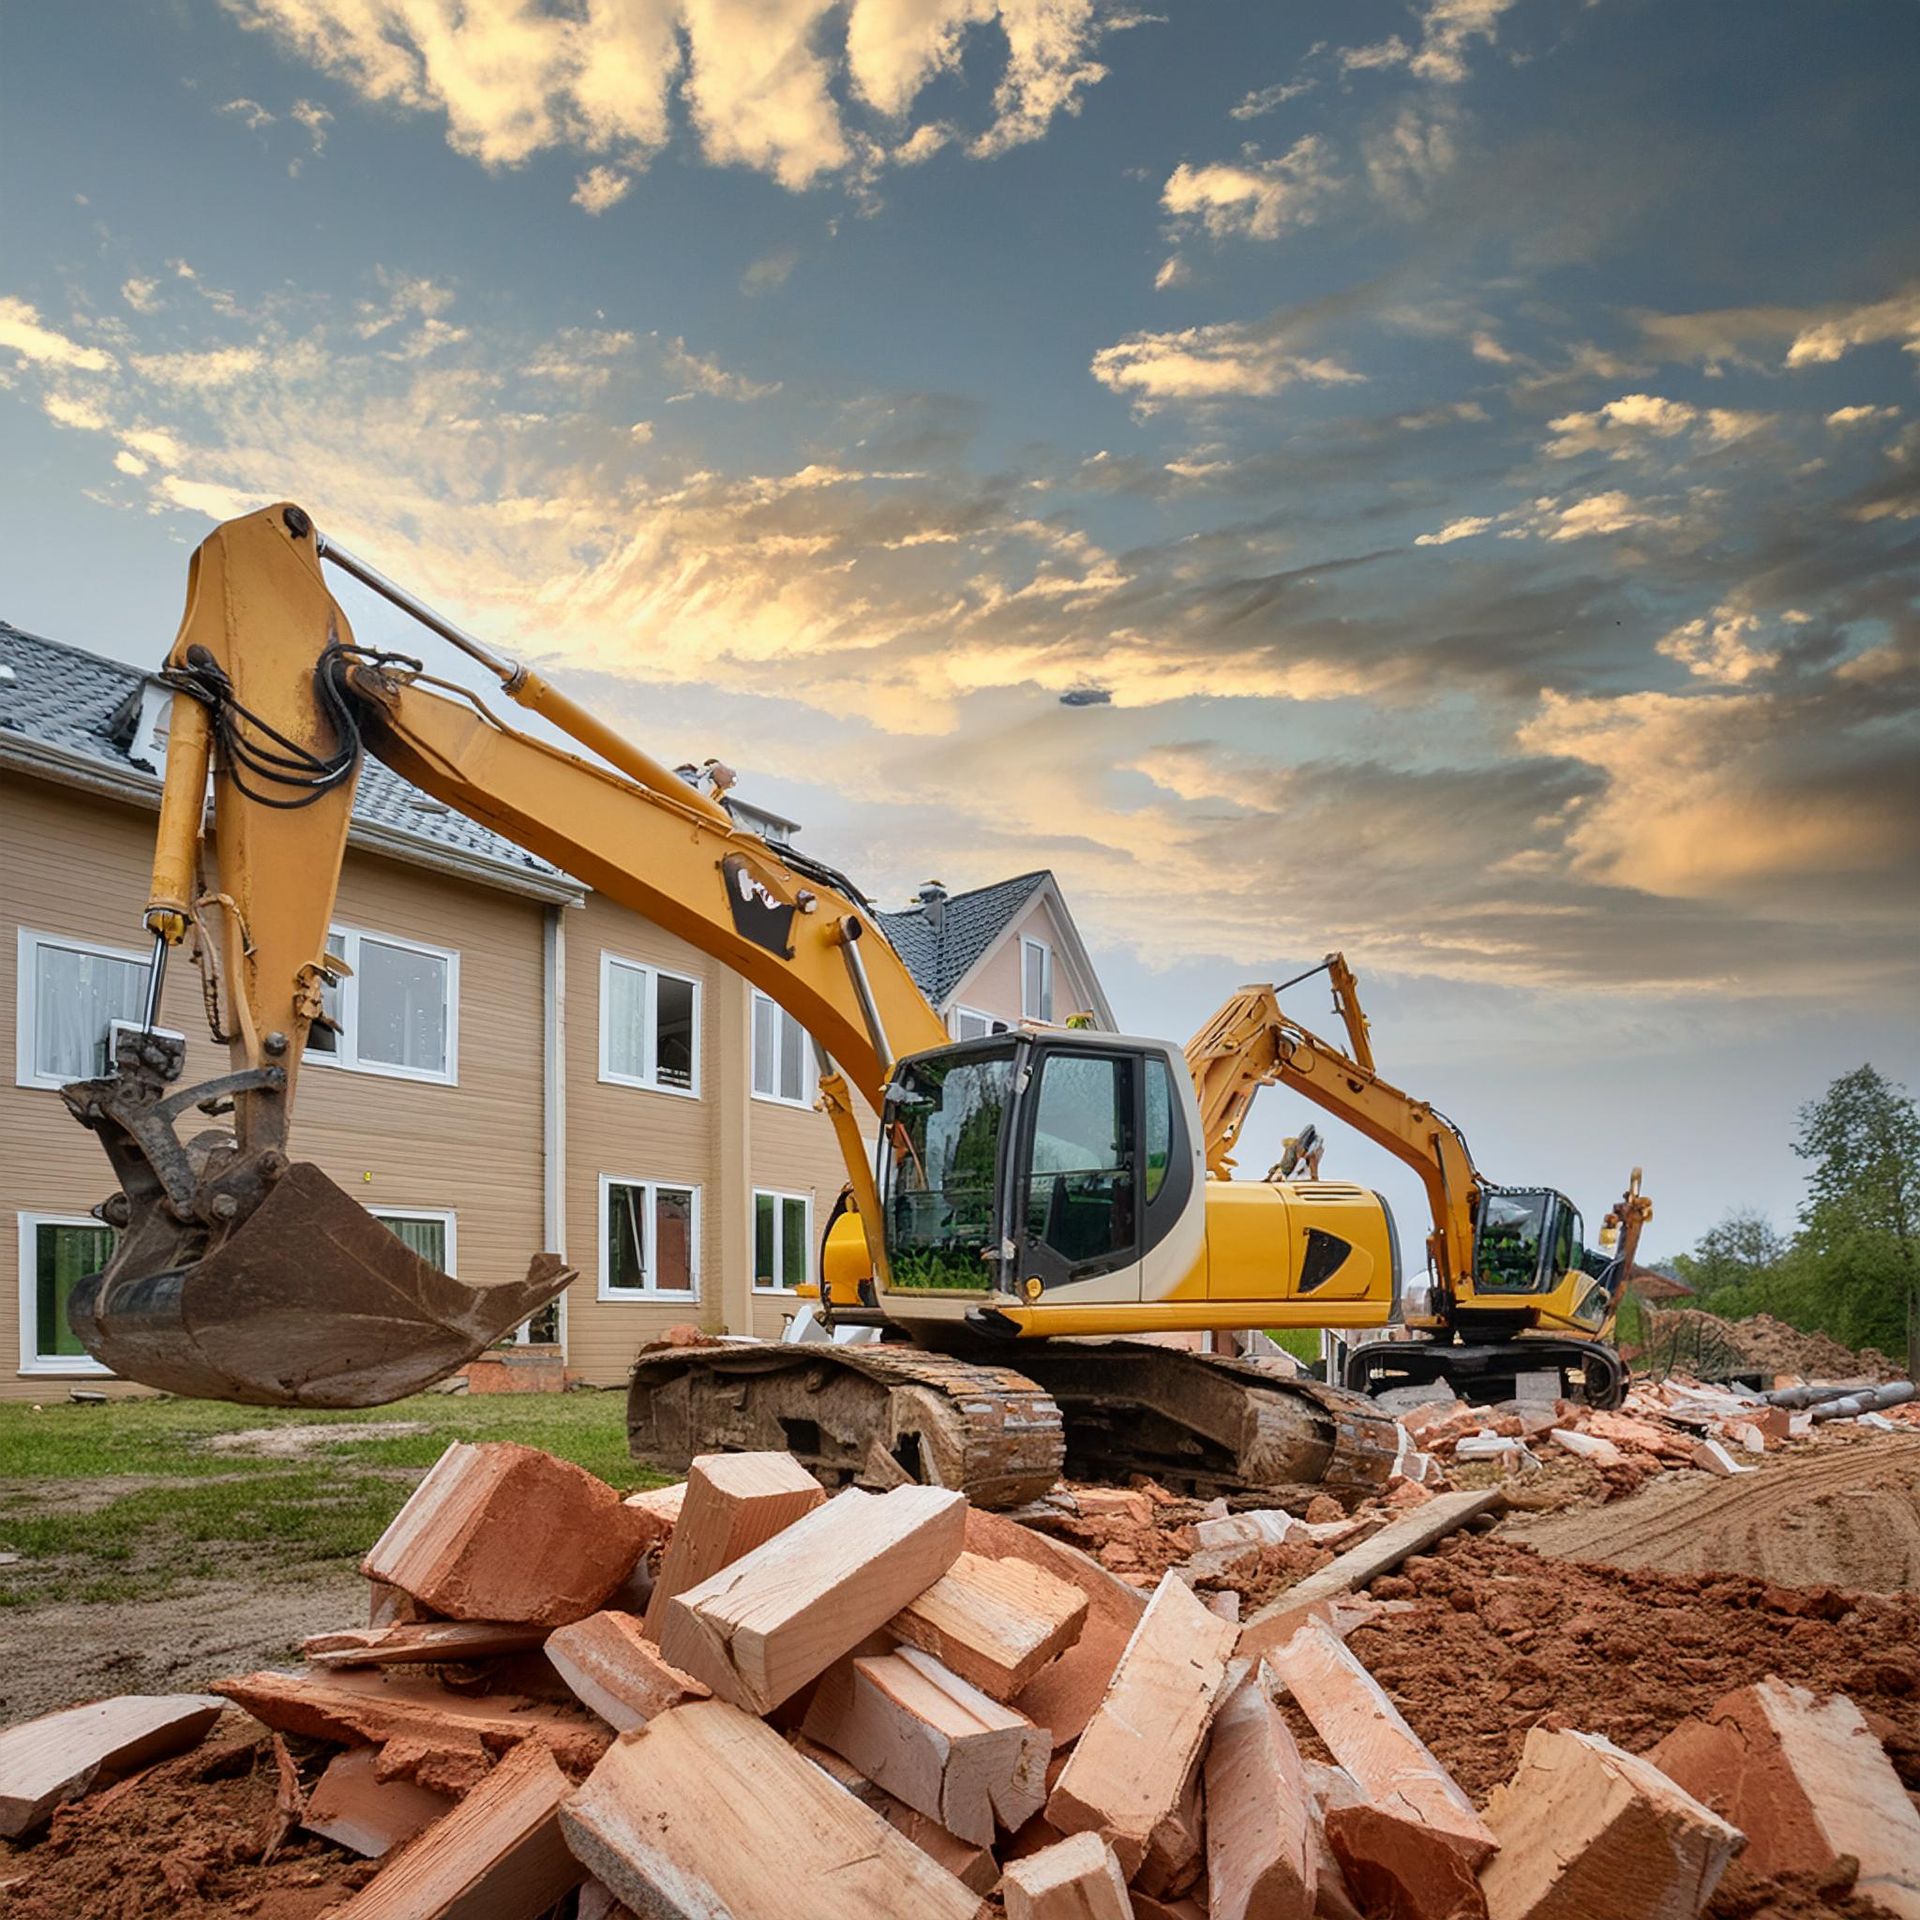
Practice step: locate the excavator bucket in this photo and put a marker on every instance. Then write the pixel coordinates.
(310, 1302)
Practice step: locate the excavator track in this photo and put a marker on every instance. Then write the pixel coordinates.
(1488, 1371)
(1212, 1425)
(871, 1416)
(880, 1416)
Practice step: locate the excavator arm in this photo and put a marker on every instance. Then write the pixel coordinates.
(1251, 1043)
(241, 1274)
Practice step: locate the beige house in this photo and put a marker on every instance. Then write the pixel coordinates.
(519, 1063)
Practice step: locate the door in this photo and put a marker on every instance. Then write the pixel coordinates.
(1079, 1194)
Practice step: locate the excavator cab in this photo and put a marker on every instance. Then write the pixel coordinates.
(1041, 1167)
(1526, 1240)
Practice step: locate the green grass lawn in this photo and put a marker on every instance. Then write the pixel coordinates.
(131, 1499)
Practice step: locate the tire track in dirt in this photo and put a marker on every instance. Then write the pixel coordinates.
(1847, 1515)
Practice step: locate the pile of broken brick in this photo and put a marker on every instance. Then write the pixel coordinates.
(1677, 1422)
(738, 1696)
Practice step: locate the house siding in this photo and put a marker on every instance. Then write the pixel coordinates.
(993, 987)
(634, 1133)
(78, 867)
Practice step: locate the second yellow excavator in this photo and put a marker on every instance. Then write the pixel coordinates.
(1030, 1185)
(1511, 1286)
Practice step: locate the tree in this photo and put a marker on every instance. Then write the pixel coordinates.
(1744, 1250)
(1860, 1226)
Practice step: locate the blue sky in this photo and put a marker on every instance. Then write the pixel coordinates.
(1475, 443)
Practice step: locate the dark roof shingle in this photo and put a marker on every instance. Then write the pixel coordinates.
(969, 925)
(64, 697)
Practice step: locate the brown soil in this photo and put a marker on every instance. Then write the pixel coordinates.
(1499, 1639)
(1846, 1513)
(1705, 1343)
(62, 1654)
(183, 1839)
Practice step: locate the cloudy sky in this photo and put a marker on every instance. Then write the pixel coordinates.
(1474, 443)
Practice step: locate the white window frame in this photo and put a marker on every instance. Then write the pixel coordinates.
(1046, 955)
(347, 1058)
(987, 1021)
(650, 1082)
(809, 1066)
(30, 940)
(445, 1216)
(779, 1195)
(649, 1294)
(32, 1361)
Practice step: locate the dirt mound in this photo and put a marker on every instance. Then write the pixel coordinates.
(1845, 1515)
(1702, 1343)
(186, 1839)
(1499, 1639)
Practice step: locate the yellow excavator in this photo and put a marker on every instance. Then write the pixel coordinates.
(1030, 1185)
(1512, 1287)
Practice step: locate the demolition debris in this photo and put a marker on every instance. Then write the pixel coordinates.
(746, 1697)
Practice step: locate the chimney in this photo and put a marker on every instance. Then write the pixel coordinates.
(932, 901)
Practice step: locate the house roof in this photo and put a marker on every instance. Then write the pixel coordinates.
(969, 924)
(72, 716)
(942, 957)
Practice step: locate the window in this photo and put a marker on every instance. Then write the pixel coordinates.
(783, 1067)
(397, 1012)
(940, 1166)
(649, 1240)
(968, 1023)
(649, 1028)
(428, 1231)
(782, 1241)
(1080, 1187)
(1036, 980)
(1159, 1125)
(69, 995)
(56, 1253)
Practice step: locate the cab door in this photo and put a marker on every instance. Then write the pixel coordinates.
(1077, 1191)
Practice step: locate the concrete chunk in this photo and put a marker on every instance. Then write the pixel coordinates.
(444, 1740)
(59, 1756)
(1078, 1878)
(1260, 1855)
(619, 1673)
(927, 1737)
(733, 1503)
(1806, 1780)
(498, 1855)
(505, 1532)
(1068, 1691)
(707, 1812)
(995, 1623)
(407, 1645)
(1585, 1828)
(757, 1631)
(1399, 1869)
(353, 1807)
(1133, 1764)
(1370, 1739)
(1714, 1458)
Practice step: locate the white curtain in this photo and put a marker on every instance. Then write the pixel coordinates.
(76, 996)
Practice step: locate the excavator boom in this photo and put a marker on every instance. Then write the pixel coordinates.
(1033, 1184)
(1528, 1309)
(240, 1274)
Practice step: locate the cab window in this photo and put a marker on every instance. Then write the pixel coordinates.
(1080, 1184)
(1508, 1245)
(1159, 1125)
